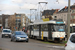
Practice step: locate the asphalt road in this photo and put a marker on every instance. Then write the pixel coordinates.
(6, 44)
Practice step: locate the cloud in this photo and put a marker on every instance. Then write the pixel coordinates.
(24, 6)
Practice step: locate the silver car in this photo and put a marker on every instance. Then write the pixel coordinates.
(19, 36)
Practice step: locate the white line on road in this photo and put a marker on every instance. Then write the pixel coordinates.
(55, 47)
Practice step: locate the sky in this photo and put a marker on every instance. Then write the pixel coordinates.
(24, 6)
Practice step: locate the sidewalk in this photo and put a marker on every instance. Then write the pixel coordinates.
(1, 48)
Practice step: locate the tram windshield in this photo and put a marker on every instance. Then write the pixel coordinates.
(60, 28)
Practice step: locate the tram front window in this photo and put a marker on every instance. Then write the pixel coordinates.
(60, 28)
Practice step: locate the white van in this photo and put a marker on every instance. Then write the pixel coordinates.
(6, 32)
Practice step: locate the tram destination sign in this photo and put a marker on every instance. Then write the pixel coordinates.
(59, 22)
(46, 19)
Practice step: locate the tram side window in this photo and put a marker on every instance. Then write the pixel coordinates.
(44, 27)
(36, 27)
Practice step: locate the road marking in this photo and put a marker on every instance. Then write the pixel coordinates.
(55, 46)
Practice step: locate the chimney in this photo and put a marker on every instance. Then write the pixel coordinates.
(65, 7)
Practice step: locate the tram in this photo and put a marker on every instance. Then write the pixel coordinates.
(53, 30)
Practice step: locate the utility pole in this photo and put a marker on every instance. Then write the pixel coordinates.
(68, 20)
(41, 8)
(30, 15)
(33, 11)
(72, 24)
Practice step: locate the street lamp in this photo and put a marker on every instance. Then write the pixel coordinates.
(68, 20)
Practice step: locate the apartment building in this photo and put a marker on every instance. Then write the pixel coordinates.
(18, 20)
(62, 14)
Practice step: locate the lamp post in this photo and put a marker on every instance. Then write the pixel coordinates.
(68, 20)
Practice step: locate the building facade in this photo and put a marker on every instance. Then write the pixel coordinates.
(17, 21)
(62, 14)
(49, 13)
(73, 14)
(4, 17)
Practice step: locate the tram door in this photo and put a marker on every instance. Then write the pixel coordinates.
(31, 29)
(50, 31)
(40, 31)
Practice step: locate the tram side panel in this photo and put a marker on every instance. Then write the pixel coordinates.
(44, 31)
(45, 34)
(36, 33)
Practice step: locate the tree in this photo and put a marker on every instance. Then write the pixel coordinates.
(47, 15)
(11, 22)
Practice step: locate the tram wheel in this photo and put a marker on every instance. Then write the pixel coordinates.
(56, 40)
(45, 39)
(35, 38)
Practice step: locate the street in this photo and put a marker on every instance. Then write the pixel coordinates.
(6, 44)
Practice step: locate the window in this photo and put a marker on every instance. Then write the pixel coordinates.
(20, 33)
(17, 24)
(36, 27)
(7, 31)
(65, 10)
(18, 15)
(72, 39)
(59, 28)
(18, 20)
(44, 27)
(55, 16)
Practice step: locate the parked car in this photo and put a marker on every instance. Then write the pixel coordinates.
(70, 45)
(6, 32)
(19, 36)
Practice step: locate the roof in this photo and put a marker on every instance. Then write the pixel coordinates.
(48, 12)
(66, 9)
(6, 29)
(30, 24)
(47, 22)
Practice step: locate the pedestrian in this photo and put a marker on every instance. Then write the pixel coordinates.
(23, 29)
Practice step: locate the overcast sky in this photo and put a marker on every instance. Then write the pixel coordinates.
(24, 6)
